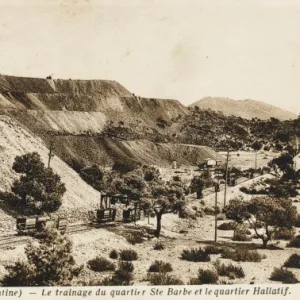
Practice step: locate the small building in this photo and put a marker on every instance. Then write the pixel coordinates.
(210, 163)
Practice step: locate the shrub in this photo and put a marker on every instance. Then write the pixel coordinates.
(297, 222)
(295, 242)
(100, 264)
(134, 238)
(113, 254)
(126, 266)
(283, 275)
(242, 254)
(284, 233)
(212, 249)
(229, 270)
(240, 233)
(128, 254)
(293, 261)
(227, 226)
(158, 246)
(205, 277)
(195, 255)
(164, 279)
(161, 267)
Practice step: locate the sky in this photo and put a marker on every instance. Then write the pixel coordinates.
(175, 49)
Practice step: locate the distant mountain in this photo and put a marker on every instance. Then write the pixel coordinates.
(244, 108)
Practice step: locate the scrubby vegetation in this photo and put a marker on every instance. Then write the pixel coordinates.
(158, 246)
(100, 264)
(205, 277)
(49, 263)
(161, 267)
(164, 279)
(195, 255)
(295, 242)
(283, 275)
(128, 254)
(243, 254)
(113, 254)
(229, 270)
(293, 261)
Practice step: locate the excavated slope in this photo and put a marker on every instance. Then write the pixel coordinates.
(16, 140)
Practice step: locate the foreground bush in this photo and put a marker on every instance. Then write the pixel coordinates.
(229, 270)
(159, 246)
(122, 276)
(134, 238)
(212, 249)
(49, 263)
(285, 234)
(164, 279)
(161, 267)
(283, 275)
(100, 264)
(242, 254)
(293, 261)
(195, 255)
(227, 226)
(205, 277)
(113, 254)
(128, 254)
(126, 266)
(295, 242)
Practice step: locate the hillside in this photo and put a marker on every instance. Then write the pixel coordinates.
(244, 108)
(16, 140)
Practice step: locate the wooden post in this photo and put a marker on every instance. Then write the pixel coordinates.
(226, 178)
(50, 155)
(216, 212)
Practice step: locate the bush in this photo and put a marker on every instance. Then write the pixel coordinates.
(158, 246)
(126, 266)
(227, 226)
(293, 261)
(134, 238)
(295, 242)
(283, 275)
(284, 233)
(195, 255)
(205, 277)
(164, 279)
(161, 267)
(240, 233)
(229, 270)
(212, 249)
(113, 254)
(128, 255)
(297, 222)
(100, 264)
(242, 254)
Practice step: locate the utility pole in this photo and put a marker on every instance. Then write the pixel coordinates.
(255, 165)
(50, 155)
(226, 177)
(216, 212)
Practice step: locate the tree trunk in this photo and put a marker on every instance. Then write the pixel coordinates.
(265, 242)
(158, 224)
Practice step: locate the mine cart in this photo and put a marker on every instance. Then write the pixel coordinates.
(106, 215)
(26, 225)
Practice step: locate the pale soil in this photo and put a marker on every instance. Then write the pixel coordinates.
(246, 159)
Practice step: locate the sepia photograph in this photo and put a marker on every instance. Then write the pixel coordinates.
(150, 143)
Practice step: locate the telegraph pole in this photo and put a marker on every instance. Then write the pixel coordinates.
(216, 212)
(50, 155)
(255, 165)
(226, 177)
